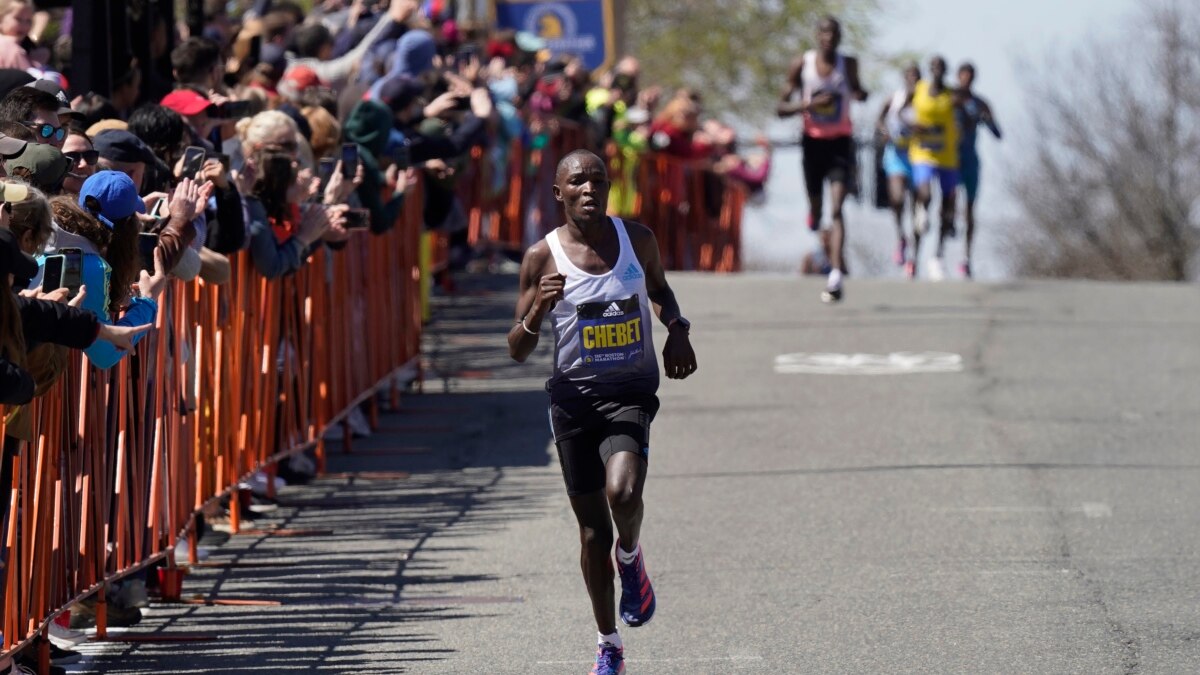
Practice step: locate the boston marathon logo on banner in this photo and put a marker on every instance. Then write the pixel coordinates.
(582, 28)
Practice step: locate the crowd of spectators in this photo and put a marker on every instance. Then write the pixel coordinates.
(279, 132)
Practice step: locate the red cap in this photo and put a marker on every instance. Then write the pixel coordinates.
(302, 77)
(186, 102)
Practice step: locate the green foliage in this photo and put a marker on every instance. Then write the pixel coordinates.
(735, 52)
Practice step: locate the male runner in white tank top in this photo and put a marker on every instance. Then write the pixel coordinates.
(826, 81)
(598, 279)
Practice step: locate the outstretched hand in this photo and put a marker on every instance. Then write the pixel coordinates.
(150, 286)
(122, 336)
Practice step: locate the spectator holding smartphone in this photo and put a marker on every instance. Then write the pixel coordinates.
(369, 127)
(281, 234)
(45, 315)
(104, 227)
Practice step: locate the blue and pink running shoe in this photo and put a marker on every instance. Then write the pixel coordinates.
(610, 660)
(637, 595)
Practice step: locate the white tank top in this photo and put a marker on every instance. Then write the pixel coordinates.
(833, 120)
(602, 332)
(900, 119)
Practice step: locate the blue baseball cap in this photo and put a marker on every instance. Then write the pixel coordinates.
(115, 194)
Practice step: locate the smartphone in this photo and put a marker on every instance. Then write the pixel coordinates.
(349, 160)
(233, 110)
(402, 157)
(325, 170)
(147, 243)
(52, 269)
(72, 271)
(193, 161)
(160, 209)
(357, 219)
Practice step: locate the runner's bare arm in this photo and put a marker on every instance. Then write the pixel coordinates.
(856, 88)
(679, 358)
(788, 107)
(541, 287)
(989, 118)
(659, 292)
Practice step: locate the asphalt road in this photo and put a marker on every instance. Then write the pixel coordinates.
(1031, 506)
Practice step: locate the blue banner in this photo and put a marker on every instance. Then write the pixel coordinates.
(578, 27)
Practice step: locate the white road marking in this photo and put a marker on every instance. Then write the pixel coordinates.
(1096, 510)
(895, 363)
(1089, 509)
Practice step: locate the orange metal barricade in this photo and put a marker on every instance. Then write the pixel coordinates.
(696, 215)
(233, 379)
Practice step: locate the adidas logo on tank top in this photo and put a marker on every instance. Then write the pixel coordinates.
(632, 272)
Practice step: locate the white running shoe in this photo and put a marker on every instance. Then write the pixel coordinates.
(65, 637)
(937, 272)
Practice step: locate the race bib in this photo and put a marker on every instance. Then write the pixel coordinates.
(828, 113)
(610, 333)
(932, 138)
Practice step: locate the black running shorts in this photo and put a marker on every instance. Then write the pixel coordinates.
(588, 433)
(827, 159)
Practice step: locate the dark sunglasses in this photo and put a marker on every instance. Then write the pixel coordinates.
(47, 130)
(89, 157)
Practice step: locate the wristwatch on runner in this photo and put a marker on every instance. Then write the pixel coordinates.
(687, 325)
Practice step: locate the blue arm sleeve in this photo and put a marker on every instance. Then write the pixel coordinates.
(102, 353)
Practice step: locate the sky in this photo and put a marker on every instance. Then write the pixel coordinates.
(996, 37)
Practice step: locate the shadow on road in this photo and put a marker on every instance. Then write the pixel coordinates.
(345, 574)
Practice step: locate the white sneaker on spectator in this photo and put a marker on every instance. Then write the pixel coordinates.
(937, 271)
(65, 637)
(181, 550)
(258, 483)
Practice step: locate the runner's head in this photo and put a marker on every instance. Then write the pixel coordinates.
(829, 34)
(937, 68)
(912, 74)
(581, 184)
(966, 75)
